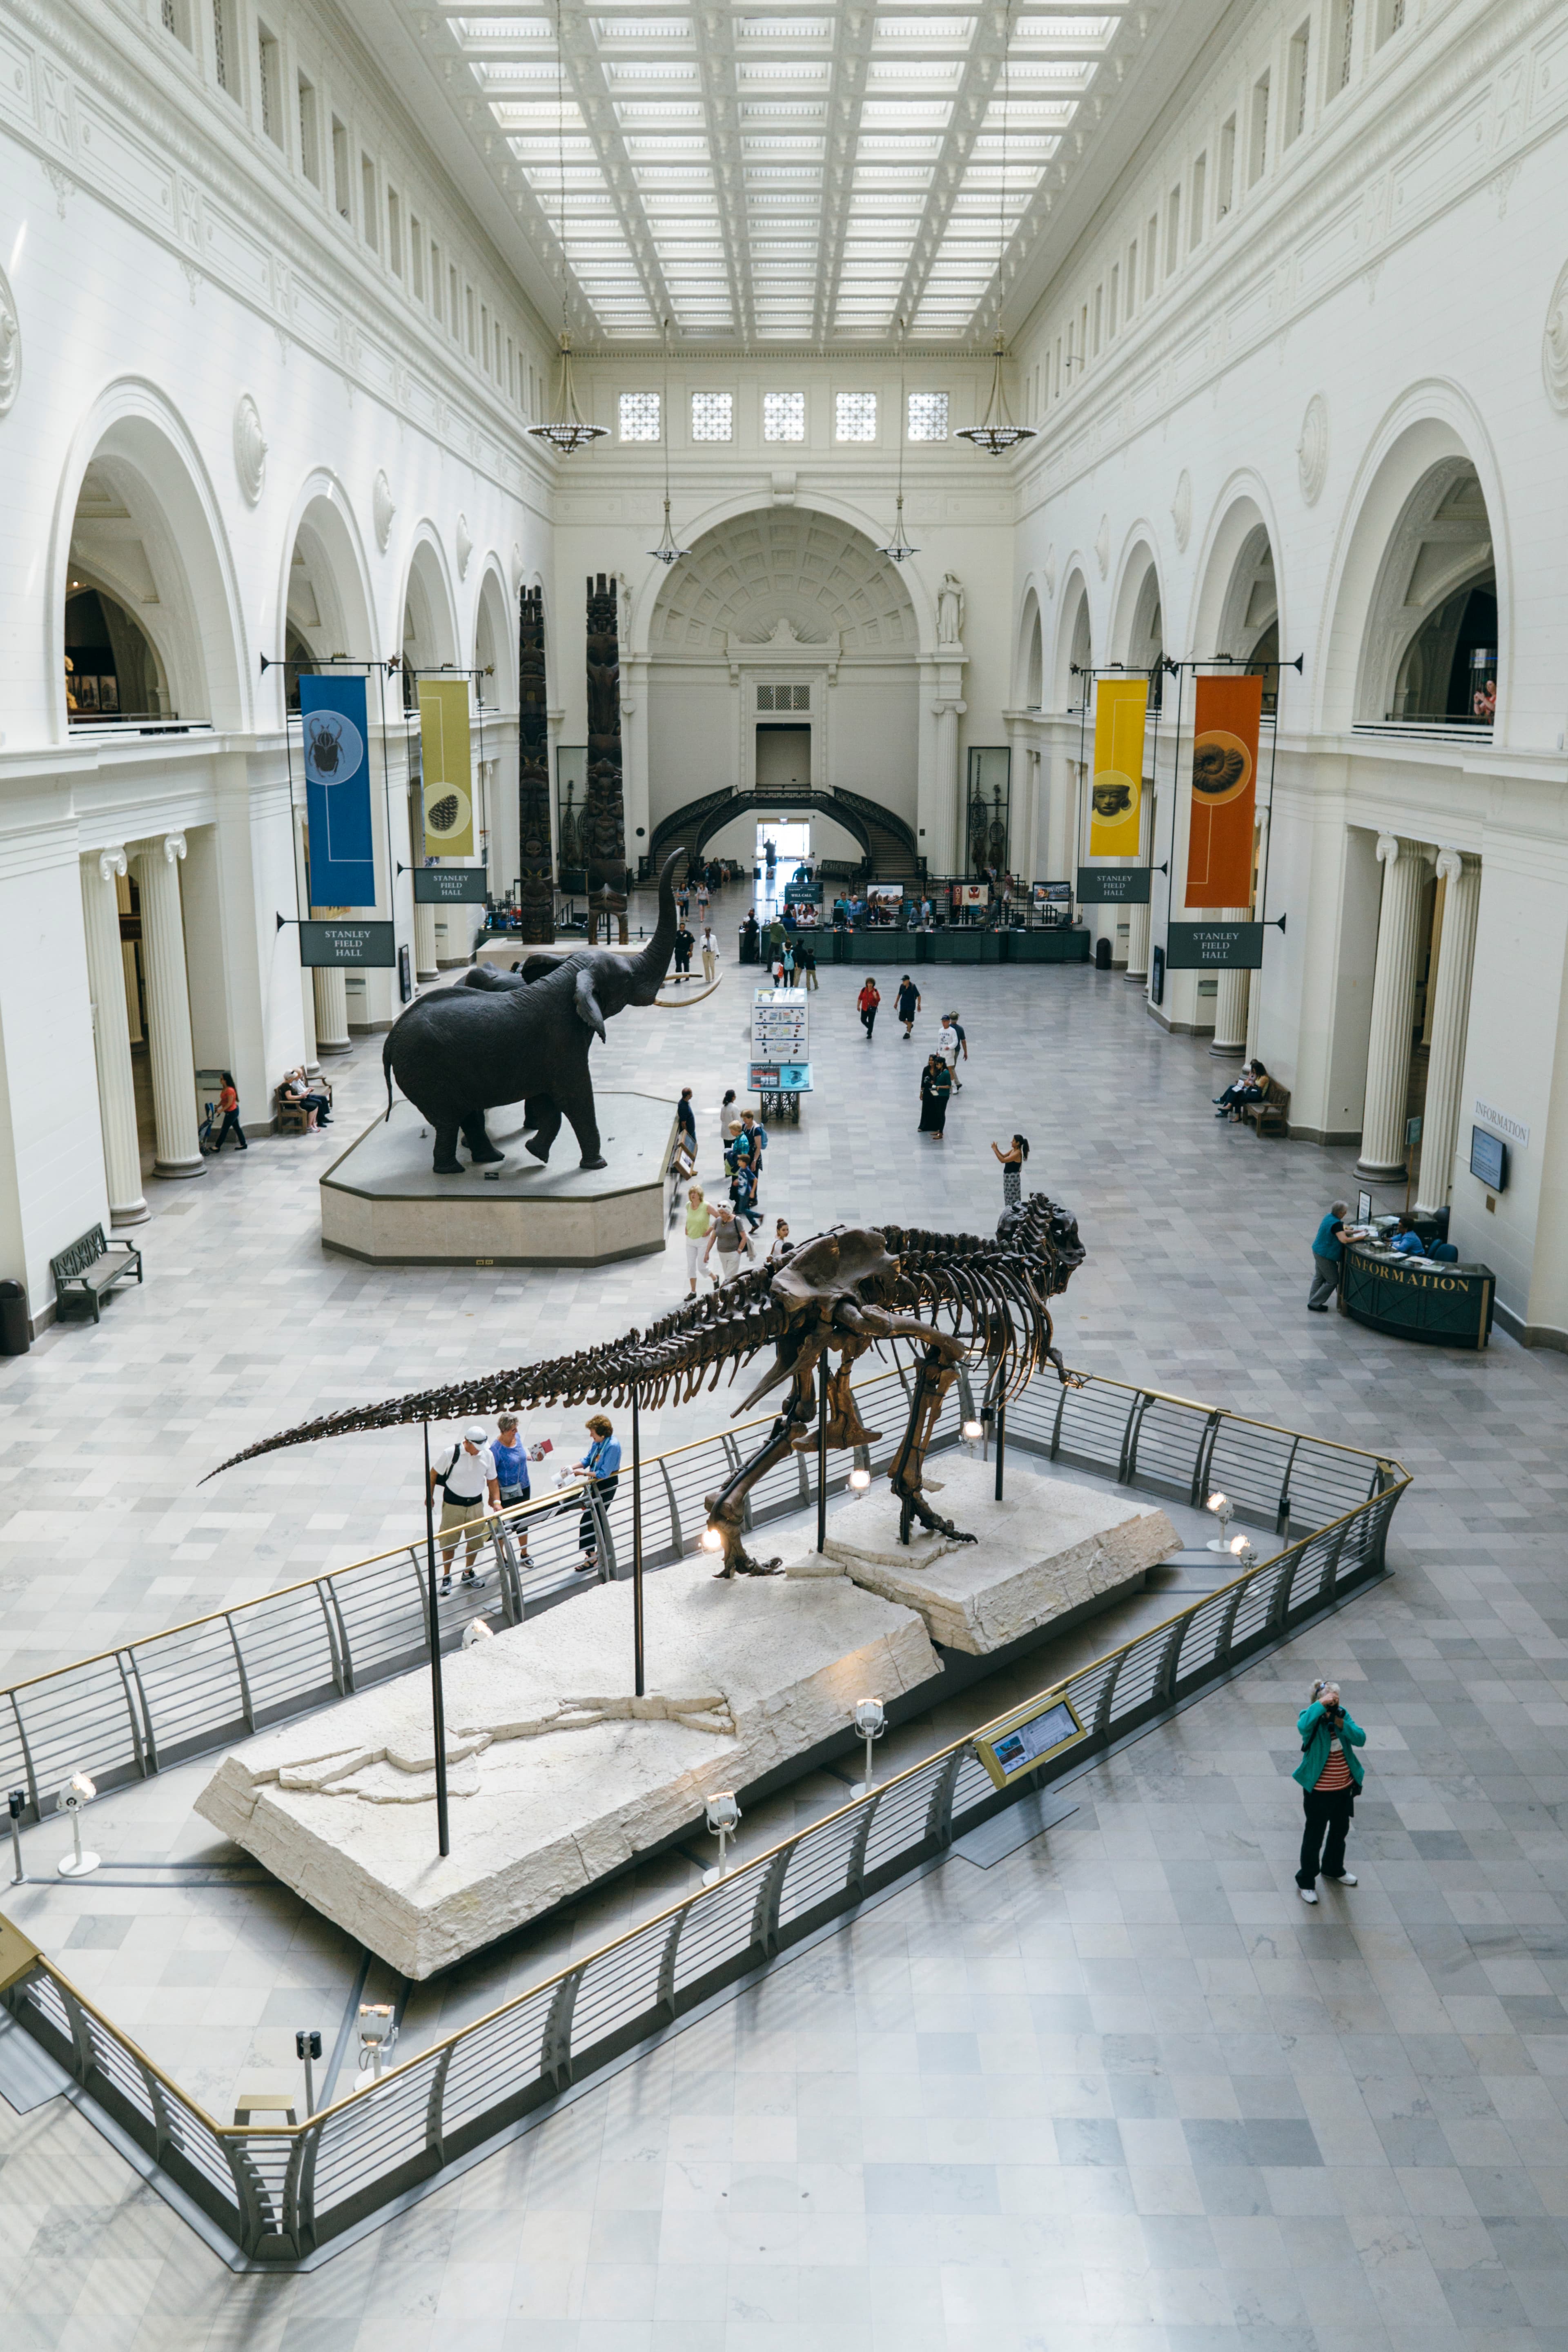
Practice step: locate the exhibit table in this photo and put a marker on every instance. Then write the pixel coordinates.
(1417, 1298)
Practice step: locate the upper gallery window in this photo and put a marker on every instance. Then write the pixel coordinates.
(854, 416)
(639, 416)
(784, 416)
(712, 416)
(928, 416)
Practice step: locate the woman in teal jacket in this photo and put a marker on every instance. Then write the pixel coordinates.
(1330, 1777)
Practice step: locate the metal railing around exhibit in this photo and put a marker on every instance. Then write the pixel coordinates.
(282, 2195)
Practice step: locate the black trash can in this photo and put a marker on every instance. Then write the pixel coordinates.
(16, 1337)
(1102, 955)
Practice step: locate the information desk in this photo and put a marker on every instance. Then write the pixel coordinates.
(1448, 1304)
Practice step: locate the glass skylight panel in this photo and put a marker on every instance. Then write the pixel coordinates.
(927, 416)
(784, 28)
(784, 416)
(924, 28)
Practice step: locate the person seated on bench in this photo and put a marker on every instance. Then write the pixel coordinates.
(317, 1107)
(1249, 1088)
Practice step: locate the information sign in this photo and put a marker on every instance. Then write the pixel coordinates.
(1041, 1729)
(780, 1077)
(450, 886)
(1113, 886)
(780, 1062)
(326, 945)
(1214, 947)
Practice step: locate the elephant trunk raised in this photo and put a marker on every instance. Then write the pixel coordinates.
(462, 1050)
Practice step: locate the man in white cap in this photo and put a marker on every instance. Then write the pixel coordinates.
(468, 1488)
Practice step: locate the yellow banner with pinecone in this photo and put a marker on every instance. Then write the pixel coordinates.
(446, 767)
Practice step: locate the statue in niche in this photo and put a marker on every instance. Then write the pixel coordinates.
(950, 611)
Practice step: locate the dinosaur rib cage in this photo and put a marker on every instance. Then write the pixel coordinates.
(993, 1293)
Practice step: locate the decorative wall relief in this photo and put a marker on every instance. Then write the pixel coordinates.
(1554, 344)
(10, 345)
(249, 449)
(383, 510)
(533, 772)
(603, 812)
(1312, 449)
(1102, 545)
(465, 546)
(1182, 511)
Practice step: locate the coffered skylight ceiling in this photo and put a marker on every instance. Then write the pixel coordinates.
(785, 175)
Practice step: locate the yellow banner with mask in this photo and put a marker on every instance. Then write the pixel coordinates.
(1116, 789)
(446, 767)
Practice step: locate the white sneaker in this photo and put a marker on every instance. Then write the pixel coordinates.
(1308, 1894)
(1345, 1878)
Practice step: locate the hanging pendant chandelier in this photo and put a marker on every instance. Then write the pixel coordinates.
(568, 429)
(996, 433)
(899, 550)
(667, 552)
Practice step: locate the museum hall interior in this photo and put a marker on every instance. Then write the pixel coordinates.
(850, 717)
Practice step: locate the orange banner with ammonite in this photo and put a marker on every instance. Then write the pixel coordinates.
(1225, 788)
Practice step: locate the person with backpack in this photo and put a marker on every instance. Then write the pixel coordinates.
(467, 1479)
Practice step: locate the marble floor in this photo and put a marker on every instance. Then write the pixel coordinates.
(1121, 2091)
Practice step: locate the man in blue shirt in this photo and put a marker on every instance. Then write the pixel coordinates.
(1406, 1240)
(1327, 1250)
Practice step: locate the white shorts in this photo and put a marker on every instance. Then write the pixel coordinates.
(694, 1250)
(728, 1264)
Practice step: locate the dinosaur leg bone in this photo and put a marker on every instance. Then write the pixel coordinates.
(934, 1375)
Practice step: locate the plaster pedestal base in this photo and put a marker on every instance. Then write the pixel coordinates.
(1045, 1550)
(383, 1202)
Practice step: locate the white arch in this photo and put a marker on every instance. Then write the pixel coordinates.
(494, 606)
(645, 583)
(1029, 653)
(1075, 622)
(323, 509)
(1433, 421)
(1242, 508)
(135, 433)
(1129, 602)
(428, 591)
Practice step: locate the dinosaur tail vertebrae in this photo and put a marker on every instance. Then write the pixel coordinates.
(992, 1294)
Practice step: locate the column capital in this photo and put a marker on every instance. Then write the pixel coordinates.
(1388, 848)
(174, 847)
(111, 862)
(1452, 863)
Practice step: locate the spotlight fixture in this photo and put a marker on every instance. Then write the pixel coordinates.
(667, 552)
(996, 434)
(711, 1540)
(722, 1815)
(16, 1802)
(971, 1431)
(377, 2035)
(871, 1722)
(861, 1476)
(568, 429)
(1224, 1511)
(1239, 1546)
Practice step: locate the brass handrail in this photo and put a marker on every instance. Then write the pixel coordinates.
(546, 1505)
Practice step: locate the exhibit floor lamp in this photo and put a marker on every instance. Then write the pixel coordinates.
(308, 2049)
(78, 1791)
(16, 1800)
(637, 1546)
(377, 2035)
(1224, 1511)
(822, 1453)
(723, 1819)
(871, 1722)
(438, 1694)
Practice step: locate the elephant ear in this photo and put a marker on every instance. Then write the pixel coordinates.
(587, 1003)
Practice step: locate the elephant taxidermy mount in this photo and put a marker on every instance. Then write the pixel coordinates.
(497, 1038)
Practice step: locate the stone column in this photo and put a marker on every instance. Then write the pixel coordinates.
(168, 1008)
(424, 942)
(947, 793)
(1393, 1011)
(112, 1038)
(1449, 1026)
(1229, 1038)
(1255, 990)
(330, 985)
(1139, 917)
(128, 962)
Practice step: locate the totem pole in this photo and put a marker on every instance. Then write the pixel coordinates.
(533, 773)
(603, 812)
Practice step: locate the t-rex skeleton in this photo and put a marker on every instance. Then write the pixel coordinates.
(850, 1289)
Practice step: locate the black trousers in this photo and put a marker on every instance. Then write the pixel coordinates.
(1327, 1819)
(231, 1126)
(588, 1529)
(869, 1019)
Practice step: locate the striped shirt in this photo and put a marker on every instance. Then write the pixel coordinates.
(1336, 1772)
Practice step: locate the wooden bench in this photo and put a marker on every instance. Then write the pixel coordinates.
(90, 1266)
(292, 1118)
(1272, 1114)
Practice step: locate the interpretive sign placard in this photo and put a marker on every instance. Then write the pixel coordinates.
(1214, 947)
(1040, 1730)
(325, 945)
(1113, 886)
(450, 886)
(780, 1078)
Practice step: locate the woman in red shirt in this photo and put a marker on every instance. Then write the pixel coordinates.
(868, 1001)
(228, 1104)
